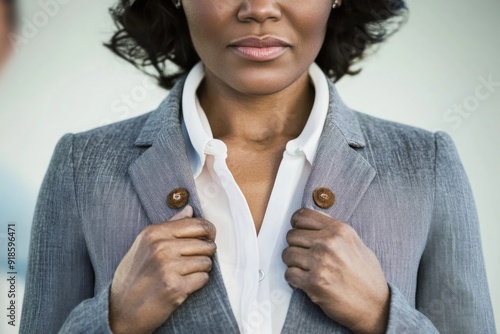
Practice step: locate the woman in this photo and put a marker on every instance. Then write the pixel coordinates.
(7, 23)
(253, 199)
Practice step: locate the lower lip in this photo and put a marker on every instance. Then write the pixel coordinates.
(259, 54)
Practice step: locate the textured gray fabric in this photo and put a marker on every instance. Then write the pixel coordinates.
(403, 190)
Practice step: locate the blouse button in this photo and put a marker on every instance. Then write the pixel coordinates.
(261, 275)
(177, 198)
(323, 197)
(215, 147)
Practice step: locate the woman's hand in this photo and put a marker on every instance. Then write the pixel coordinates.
(329, 262)
(165, 264)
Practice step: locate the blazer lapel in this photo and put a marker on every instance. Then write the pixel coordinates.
(339, 166)
(163, 167)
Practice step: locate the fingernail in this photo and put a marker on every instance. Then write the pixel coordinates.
(324, 213)
(187, 210)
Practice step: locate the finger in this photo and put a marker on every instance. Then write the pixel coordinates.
(301, 219)
(196, 281)
(296, 277)
(191, 246)
(194, 264)
(310, 219)
(297, 257)
(301, 238)
(190, 228)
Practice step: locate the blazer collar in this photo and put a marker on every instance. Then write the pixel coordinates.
(165, 117)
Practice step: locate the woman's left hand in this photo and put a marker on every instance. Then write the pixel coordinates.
(328, 261)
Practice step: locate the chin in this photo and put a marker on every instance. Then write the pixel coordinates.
(260, 88)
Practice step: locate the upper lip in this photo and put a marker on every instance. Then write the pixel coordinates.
(256, 42)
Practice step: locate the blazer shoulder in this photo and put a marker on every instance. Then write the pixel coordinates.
(394, 136)
(375, 128)
(122, 131)
(400, 149)
(108, 145)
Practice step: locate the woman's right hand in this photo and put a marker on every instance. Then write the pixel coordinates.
(166, 263)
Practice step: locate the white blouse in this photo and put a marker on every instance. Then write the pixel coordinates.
(251, 265)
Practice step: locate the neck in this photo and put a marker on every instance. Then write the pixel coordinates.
(261, 121)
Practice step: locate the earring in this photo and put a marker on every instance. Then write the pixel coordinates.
(177, 4)
(336, 4)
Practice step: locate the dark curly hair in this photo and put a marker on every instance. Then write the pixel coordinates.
(155, 33)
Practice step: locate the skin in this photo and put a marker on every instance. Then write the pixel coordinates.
(255, 108)
(237, 94)
(165, 264)
(327, 260)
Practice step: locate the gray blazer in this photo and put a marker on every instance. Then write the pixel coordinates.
(403, 190)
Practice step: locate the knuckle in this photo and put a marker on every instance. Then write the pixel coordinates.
(148, 235)
(179, 299)
(285, 254)
(207, 226)
(207, 262)
(291, 277)
(297, 216)
(201, 280)
(169, 286)
(299, 212)
(174, 290)
(323, 278)
(314, 298)
(212, 246)
(320, 247)
(319, 279)
(345, 231)
(155, 250)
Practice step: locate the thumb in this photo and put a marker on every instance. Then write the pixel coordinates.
(186, 212)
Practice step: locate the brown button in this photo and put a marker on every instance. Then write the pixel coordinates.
(323, 197)
(177, 198)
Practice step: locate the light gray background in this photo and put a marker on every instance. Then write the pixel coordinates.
(62, 80)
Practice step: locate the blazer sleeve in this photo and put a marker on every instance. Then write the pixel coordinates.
(59, 292)
(452, 290)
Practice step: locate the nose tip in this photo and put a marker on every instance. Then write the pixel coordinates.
(259, 10)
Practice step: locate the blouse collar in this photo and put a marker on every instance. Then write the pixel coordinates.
(196, 128)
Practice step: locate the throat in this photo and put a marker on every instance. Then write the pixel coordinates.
(260, 120)
(255, 173)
